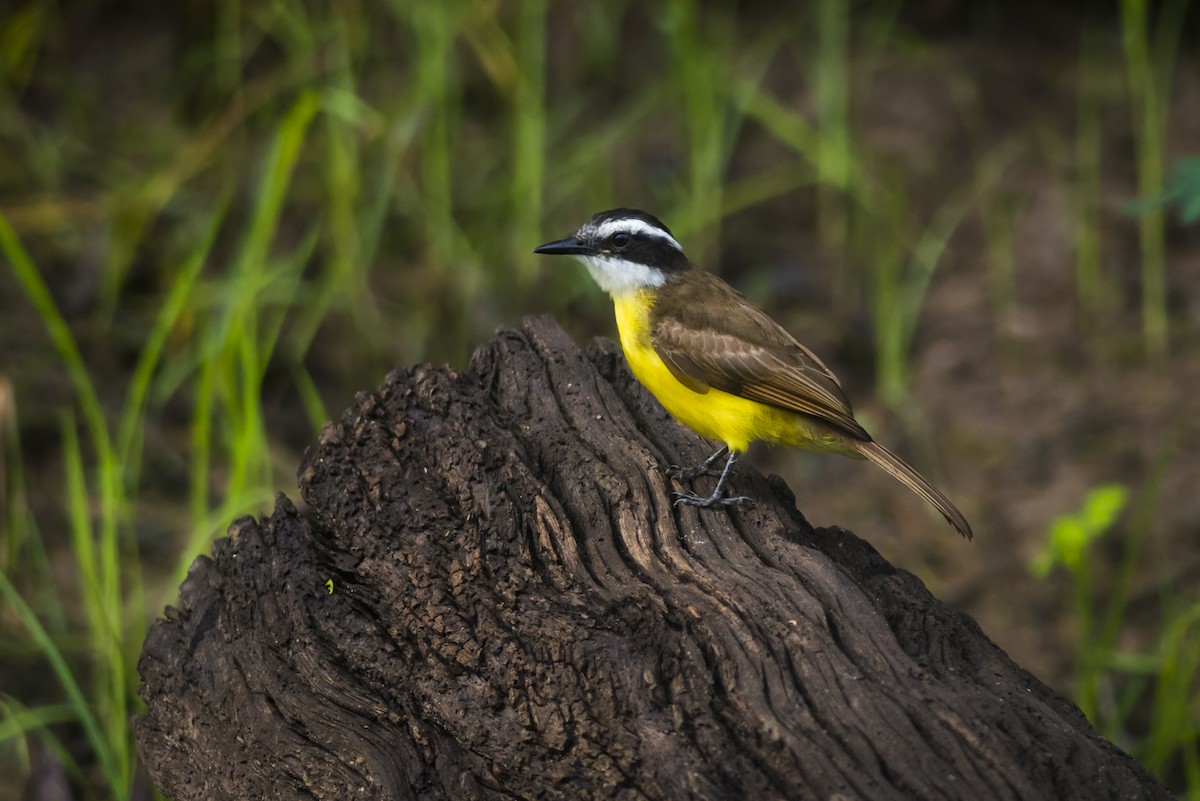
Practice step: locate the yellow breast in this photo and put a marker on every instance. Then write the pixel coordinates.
(714, 414)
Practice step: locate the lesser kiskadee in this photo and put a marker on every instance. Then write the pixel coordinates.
(718, 364)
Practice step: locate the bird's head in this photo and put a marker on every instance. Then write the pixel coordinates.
(624, 250)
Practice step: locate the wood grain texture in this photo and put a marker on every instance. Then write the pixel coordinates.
(518, 611)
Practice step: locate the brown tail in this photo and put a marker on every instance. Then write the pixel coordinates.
(915, 482)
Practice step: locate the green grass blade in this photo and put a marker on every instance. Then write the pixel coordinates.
(310, 396)
(529, 136)
(834, 160)
(66, 680)
(899, 299)
(281, 163)
(168, 316)
(56, 326)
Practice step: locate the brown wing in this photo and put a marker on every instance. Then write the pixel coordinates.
(708, 335)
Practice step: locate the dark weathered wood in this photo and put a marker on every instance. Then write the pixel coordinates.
(518, 611)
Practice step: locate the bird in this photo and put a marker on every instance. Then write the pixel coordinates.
(719, 364)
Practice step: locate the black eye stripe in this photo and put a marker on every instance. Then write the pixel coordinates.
(643, 240)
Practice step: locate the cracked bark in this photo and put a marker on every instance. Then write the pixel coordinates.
(516, 610)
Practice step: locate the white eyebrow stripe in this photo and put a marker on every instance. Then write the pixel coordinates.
(633, 225)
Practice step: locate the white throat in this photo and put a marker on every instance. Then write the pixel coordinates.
(617, 276)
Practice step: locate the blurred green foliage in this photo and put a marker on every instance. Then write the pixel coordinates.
(213, 211)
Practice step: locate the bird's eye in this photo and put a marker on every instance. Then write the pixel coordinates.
(621, 240)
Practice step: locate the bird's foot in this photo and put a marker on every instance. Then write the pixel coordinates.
(691, 499)
(688, 473)
(718, 497)
(706, 468)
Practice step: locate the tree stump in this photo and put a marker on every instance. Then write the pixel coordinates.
(490, 595)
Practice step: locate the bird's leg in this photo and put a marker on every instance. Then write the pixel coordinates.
(718, 497)
(706, 469)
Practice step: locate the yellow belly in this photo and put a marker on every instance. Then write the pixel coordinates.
(714, 414)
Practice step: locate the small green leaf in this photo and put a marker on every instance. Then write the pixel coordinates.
(1183, 192)
(1071, 535)
(1102, 507)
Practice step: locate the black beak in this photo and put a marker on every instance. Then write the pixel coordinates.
(569, 246)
